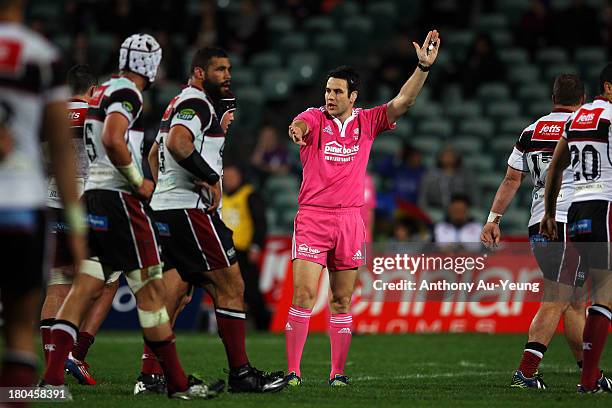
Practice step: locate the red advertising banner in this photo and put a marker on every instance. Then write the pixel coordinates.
(503, 312)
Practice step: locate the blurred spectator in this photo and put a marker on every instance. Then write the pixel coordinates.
(392, 70)
(458, 227)
(606, 16)
(408, 229)
(449, 177)
(245, 34)
(408, 235)
(244, 213)
(299, 9)
(453, 13)
(172, 63)
(577, 26)
(270, 156)
(121, 18)
(203, 31)
(481, 65)
(534, 29)
(404, 171)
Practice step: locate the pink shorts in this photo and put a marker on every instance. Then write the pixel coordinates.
(334, 238)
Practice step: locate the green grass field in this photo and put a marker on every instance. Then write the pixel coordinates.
(420, 370)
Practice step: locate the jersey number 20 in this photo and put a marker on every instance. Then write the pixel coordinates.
(591, 162)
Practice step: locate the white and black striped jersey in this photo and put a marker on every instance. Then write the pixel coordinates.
(533, 153)
(31, 77)
(588, 135)
(193, 110)
(120, 95)
(77, 110)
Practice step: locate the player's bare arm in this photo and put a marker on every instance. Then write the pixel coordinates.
(560, 161)
(113, 140)
(179, 143)
(297, 131)
(491, 233)
(214, 191)
(56, 129)
(154, 161)
(6, 142)
(410, 90)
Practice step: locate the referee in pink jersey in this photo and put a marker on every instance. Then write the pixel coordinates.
(335, 142)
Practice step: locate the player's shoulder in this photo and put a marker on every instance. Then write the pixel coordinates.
(77, 112)
(77, 104)
(194, 98)
(597, 108)
(317, 111)
(123, 84)
(34, 47)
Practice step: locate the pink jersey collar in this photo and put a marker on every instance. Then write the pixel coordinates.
(342, 126)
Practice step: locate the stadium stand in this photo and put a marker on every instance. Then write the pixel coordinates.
(280, 71)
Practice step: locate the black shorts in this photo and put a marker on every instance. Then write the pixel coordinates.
(59, 232)
(24, 247)
(558, 259)
(121, 232)
(589, 225)
(194, 242)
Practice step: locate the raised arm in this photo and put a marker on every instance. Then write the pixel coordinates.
(491, 233)
(153, 160)
(410, 90)
(554, 177)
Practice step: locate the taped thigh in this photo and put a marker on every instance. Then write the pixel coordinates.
(94, 268)
(152, 319)
(57, 277)
(139, 278)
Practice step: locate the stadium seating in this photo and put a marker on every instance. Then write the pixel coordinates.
(478, 127)
(276, 84)
(304, 67)
(440, 127)
(297, 50)
(429, 145)
(552, 56)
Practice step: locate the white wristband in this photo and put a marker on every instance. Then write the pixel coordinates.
(132, 174)
(75, 217)
(494, 217)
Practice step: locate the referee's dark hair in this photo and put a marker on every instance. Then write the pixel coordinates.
(568, 90)
(203, 57)
(349, 74)
(80, 78)
(605, 76)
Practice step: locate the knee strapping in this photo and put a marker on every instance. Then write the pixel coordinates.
(152, 319)
(93, 268)
(139, 278)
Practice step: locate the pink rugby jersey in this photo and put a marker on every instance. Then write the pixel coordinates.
(335, 157)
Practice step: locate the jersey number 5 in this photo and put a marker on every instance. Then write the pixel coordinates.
(89, 143)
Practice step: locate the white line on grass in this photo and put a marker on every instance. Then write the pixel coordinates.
(438, 375)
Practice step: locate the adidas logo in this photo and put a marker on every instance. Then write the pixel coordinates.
(357, 255)
(328, 130)
(50, 347)
(587, 346)
(288, 327)
(345, 330)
